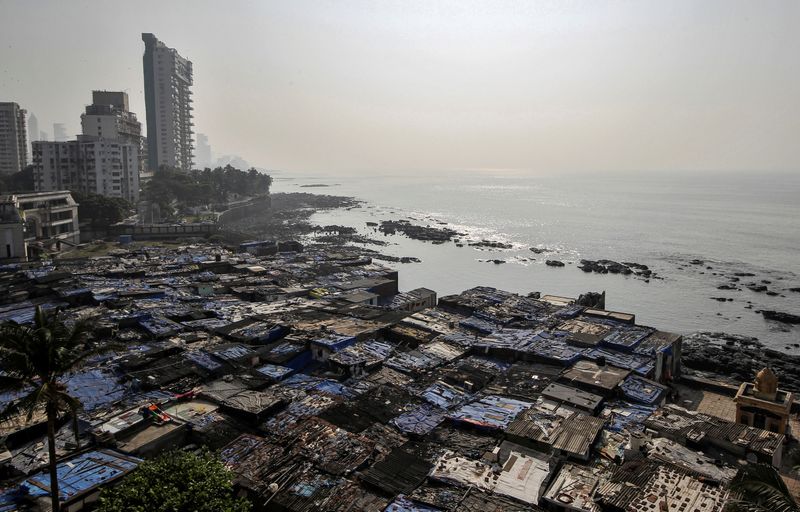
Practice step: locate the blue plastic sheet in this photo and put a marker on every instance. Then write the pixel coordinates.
(82, 473)
(638, 389)
(491, 411)
(421, 420)
(621, 415)
(94, 388)
(445, 396)
(274, 371)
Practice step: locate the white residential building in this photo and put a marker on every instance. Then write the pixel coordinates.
(168, 100)
(109, 117)
(37, 223)
(89, 165)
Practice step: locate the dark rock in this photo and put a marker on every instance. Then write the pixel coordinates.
(737, 359)
(743, 274)
(697, 262)
(727, 287)
(760, 288)
(416, 232)
(779, 316)
(613, 267)
(592, 300)
(554, 263)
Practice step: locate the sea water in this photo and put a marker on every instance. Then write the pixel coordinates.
(744, 222)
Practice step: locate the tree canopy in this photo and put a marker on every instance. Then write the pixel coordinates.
(760, 488)
(21, 181)
(176, 481)
(201, 187)
(101, 211)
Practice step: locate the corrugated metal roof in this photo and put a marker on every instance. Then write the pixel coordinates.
(400, 472)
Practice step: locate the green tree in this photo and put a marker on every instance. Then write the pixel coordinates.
(34, 359)
(101, 211)
(202, 187)
(176, 481)
(759, 488)
(21, 181)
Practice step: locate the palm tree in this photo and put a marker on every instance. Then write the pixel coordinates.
(760, 488)
(34, 359)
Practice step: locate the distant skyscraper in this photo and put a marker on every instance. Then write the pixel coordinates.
(59, 132)
(13, 138)
(43, 135)
(202, 155)
(33, 128)
(168, 99)
(108, 117)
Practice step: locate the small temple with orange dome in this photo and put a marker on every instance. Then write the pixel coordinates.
(762, 404)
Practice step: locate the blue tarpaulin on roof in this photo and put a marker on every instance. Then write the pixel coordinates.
(159, 326)
(639, 389)
(421, 420)
(333, 387)
(203, 359)
(491, 411)
(95, 388)
(233, 352)
(301, 381)
(626, 337)
(444, 395)
(82, 473)
(335, 343)
(274, 371)
(625, 415)
(477, 324)
(642, 365)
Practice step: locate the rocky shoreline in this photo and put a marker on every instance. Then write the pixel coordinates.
(736, 359)
(290, 213)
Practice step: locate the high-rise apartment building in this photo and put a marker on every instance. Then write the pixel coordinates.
(108, 117)
(60, 132)
(90, 165)
(33, 129)
(202, 155)
(13, 138)
(168, 99)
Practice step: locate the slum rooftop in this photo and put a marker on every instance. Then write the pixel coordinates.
(310, 370)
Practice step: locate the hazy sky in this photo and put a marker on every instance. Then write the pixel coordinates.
(360, 85)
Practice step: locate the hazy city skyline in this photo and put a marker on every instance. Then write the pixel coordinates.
(546, 86)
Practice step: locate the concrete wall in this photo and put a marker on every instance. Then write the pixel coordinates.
(254, 207)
